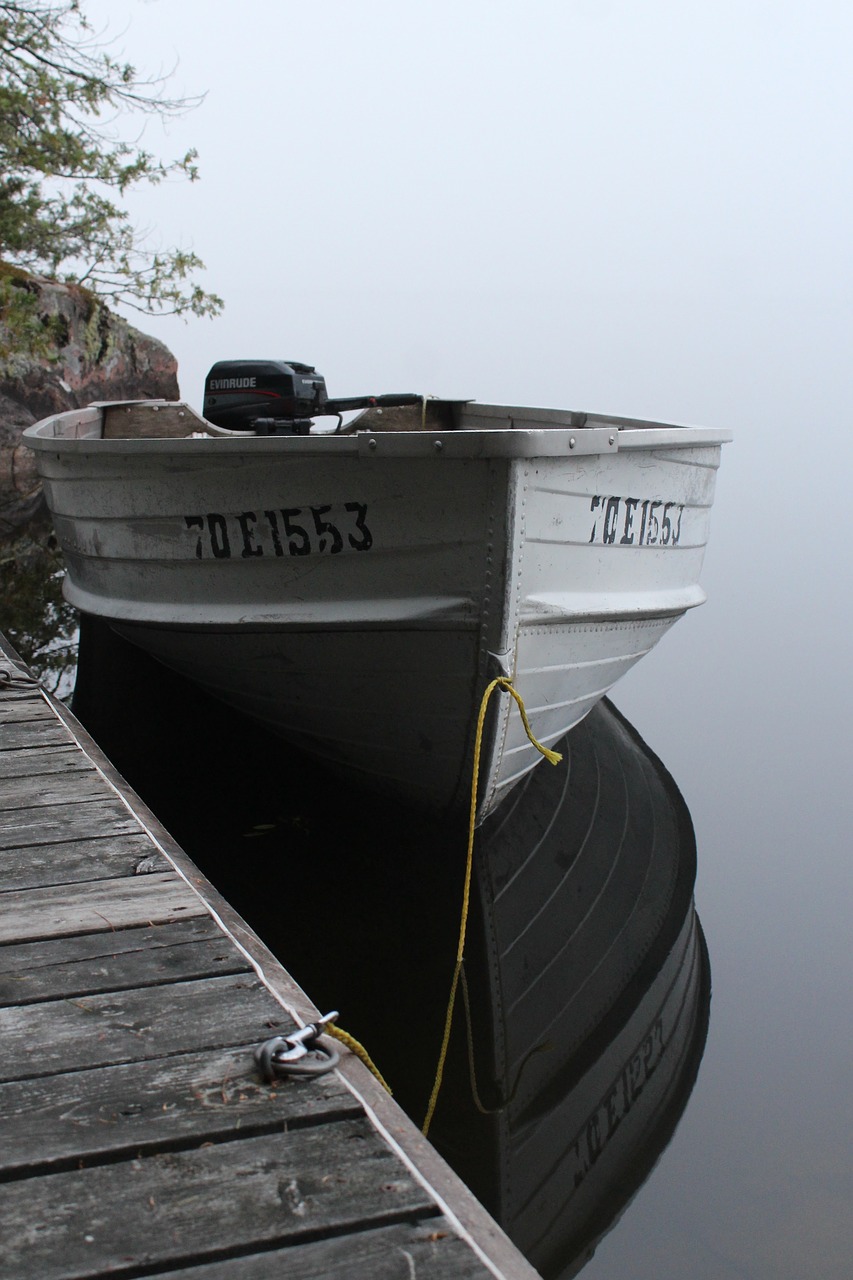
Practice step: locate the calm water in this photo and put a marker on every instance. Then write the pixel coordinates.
(748, 703)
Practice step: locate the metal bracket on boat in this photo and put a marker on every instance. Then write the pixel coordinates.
(298, 1054)
(500, 664)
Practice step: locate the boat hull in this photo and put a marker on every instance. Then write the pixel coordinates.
(357, 593)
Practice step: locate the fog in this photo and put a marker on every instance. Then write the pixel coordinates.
(631, 208)
(594, 201)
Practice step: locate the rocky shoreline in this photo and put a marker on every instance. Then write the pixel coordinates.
(87, 353)
(91, 354)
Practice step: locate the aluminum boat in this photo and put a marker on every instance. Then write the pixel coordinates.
(355, 590)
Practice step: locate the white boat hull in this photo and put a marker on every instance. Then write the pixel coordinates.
(357, 592)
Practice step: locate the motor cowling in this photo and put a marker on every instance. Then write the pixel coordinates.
(241, 394)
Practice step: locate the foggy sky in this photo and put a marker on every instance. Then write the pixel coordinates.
(590, 201)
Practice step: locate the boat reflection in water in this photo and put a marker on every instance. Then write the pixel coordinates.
(589, 993)
(587, 985)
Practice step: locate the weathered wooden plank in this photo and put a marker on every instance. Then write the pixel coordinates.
(105, 858)
(48, 954)
(129, 1026)
(61, 822)
(180, 1207)
(428, 1249)
(23, 705)
(19, 692)
(31, 731)
(84, 1117)
(31, 762)
(50, 789)
(97, 905)
(116, 961)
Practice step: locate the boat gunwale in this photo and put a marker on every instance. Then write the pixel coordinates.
(69, 432)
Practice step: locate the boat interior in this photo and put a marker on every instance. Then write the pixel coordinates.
(164, 419)
(168, 419)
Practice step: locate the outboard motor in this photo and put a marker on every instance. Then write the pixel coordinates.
(277, 397)
(240, 393)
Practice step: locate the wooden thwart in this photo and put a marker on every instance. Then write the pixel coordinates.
(150, 420)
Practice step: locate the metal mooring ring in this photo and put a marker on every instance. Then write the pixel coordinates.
(280, 1057)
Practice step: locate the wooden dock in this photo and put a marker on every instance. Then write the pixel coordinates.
(137, 1136)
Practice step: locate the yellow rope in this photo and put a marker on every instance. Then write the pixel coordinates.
(358, 1049)
(553, 757)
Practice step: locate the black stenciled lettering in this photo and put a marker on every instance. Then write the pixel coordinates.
(218, 530)
(298, 543)
(581, 1165)
(196, 522)
(659, 522)
(631, 505)
(249, 548)
(614, 1115)
(324, 529)
(292, 531)
(666, 525)
(677, 535)
(644, 518)
(614, 1106)
(611, 518)
(272, 520)
(593, 1137)
(656, 1037)
(635, 1075)
(654, 524)
(593, 507)
(365, 542)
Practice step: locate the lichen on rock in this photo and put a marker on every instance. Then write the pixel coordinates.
(60, 348)
(79, 351)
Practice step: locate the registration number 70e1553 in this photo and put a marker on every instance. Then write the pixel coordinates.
(281, 531)
(635, 522)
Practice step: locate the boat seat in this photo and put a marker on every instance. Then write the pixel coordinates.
(431, 415)
(151, 419)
